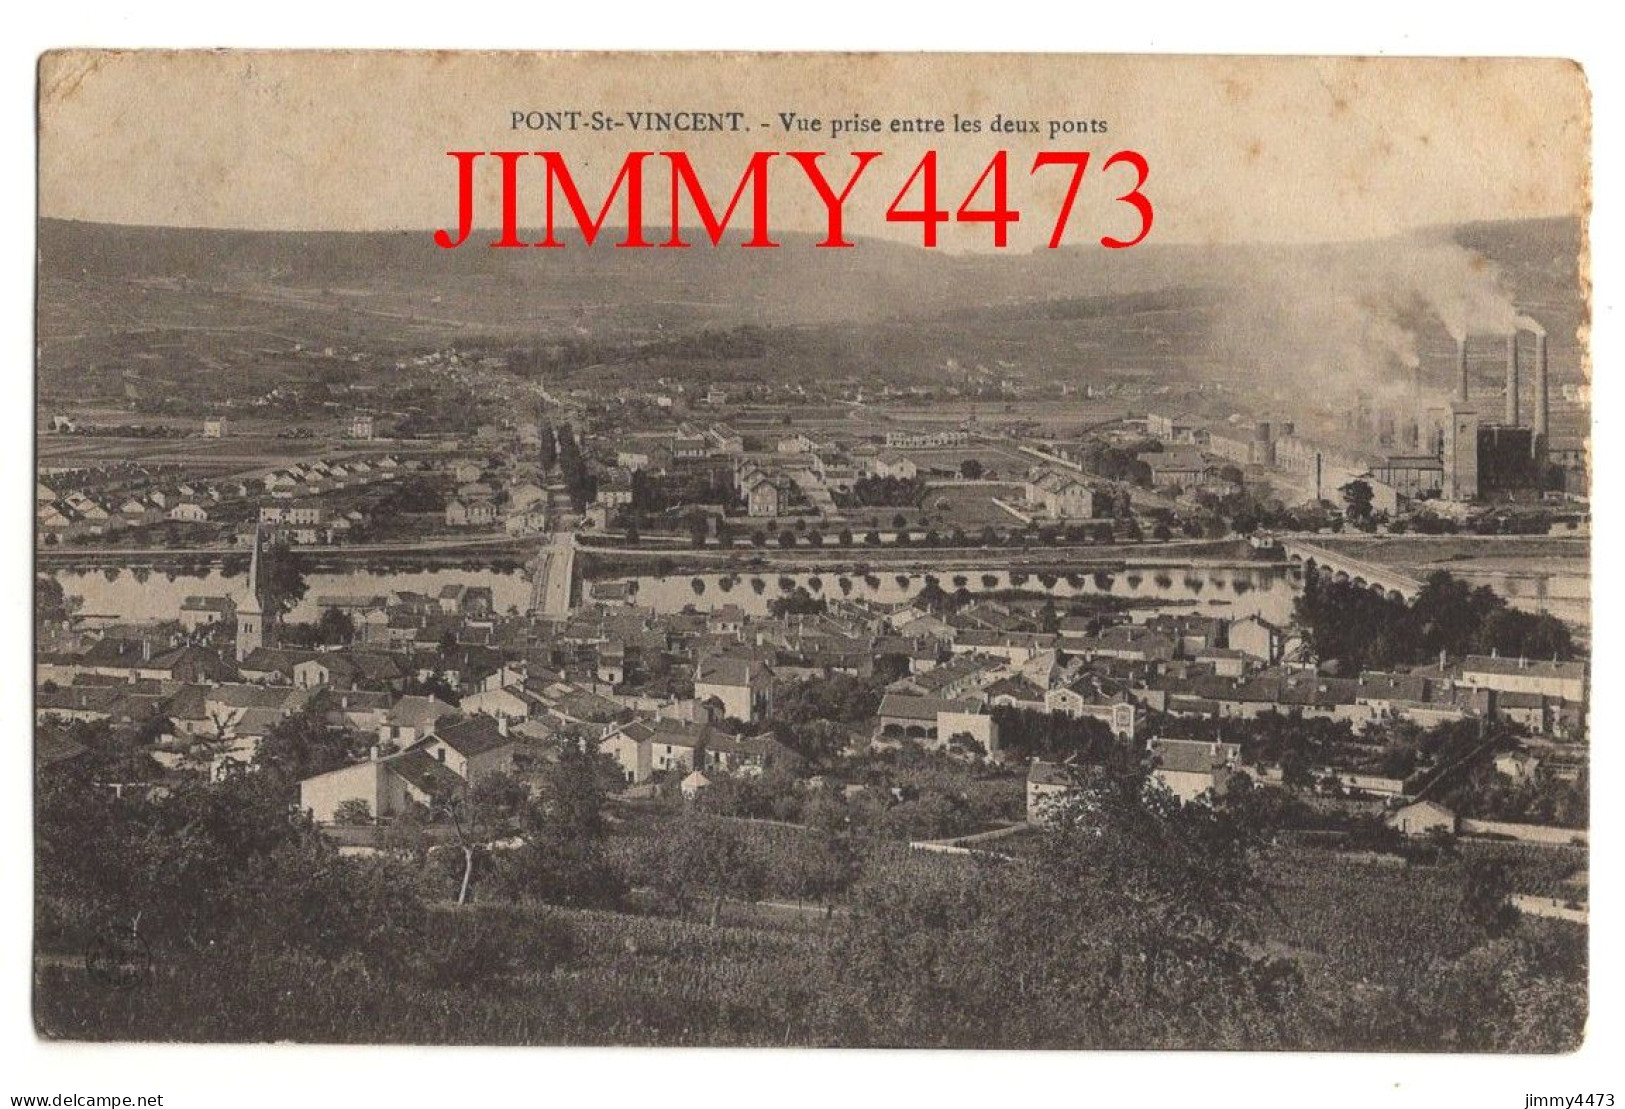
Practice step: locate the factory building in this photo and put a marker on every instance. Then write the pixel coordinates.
(1411, 475)
(1480, 459)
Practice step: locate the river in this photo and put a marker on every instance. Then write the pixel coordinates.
(140, 595)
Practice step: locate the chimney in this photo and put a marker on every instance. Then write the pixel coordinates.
(1461, 369)
(1542, 397)
(1512, 380)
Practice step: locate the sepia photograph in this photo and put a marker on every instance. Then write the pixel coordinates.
(979, 551)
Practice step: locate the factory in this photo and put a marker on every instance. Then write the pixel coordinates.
(1449, 448)
(1481, 458)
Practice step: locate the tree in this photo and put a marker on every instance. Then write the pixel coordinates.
(708, 856)
(970, 470)
(1131, 926)
(335, 628)
(820, 742)
(563, 858)
(1357, 496)
(284, 582)
(1486, 890)
(300, 746)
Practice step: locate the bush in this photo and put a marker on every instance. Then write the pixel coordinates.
(353, 811)
(488, 946)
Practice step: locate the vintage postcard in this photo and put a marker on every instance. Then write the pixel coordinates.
(968, 551)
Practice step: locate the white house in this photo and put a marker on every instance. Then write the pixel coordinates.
(1192, 768)
(744, 687)
(1423, 817)
(388, 786)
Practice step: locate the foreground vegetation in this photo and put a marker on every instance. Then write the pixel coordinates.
(1134, 923)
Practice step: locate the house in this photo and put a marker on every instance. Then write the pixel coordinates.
(764, 496)
(468, 600)
(796, 444)
(475, 512)
(611, 669)
(893, 465)
(1171, 427)
(214, 427)
(1192, 768)
(642, 749)
(198, 612)
(1421, 818)
(725, 440)
(615, 488)
(1257, 638)
(1016, 692)
(1048, 784)
(1017, 648)
(411, 718)
(1566, 680)
(361, 426)
(927, 440)
(526, 521)
(904, 716)
(1084, 698)
(526, 494)
(514, 703)
(1064, 495)
(1180, 468)
(742, 686)
(631, 747)
(689, 445)
(388, 786)
(189, 512)
(1226, 663)
(1520, 766)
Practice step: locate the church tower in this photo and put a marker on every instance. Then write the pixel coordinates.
(250, 613)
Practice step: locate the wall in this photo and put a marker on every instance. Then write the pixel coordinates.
(321, 795)
(1527, 833)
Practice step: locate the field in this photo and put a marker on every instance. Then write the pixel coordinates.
(971, 507)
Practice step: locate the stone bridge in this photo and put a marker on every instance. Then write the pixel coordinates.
(1385, 580)
(552, 591)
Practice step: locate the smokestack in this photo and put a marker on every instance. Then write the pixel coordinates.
(1461, 369)
(1542, 397)
(1512, 381)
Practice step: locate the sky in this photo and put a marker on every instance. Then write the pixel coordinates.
(1238, 149)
